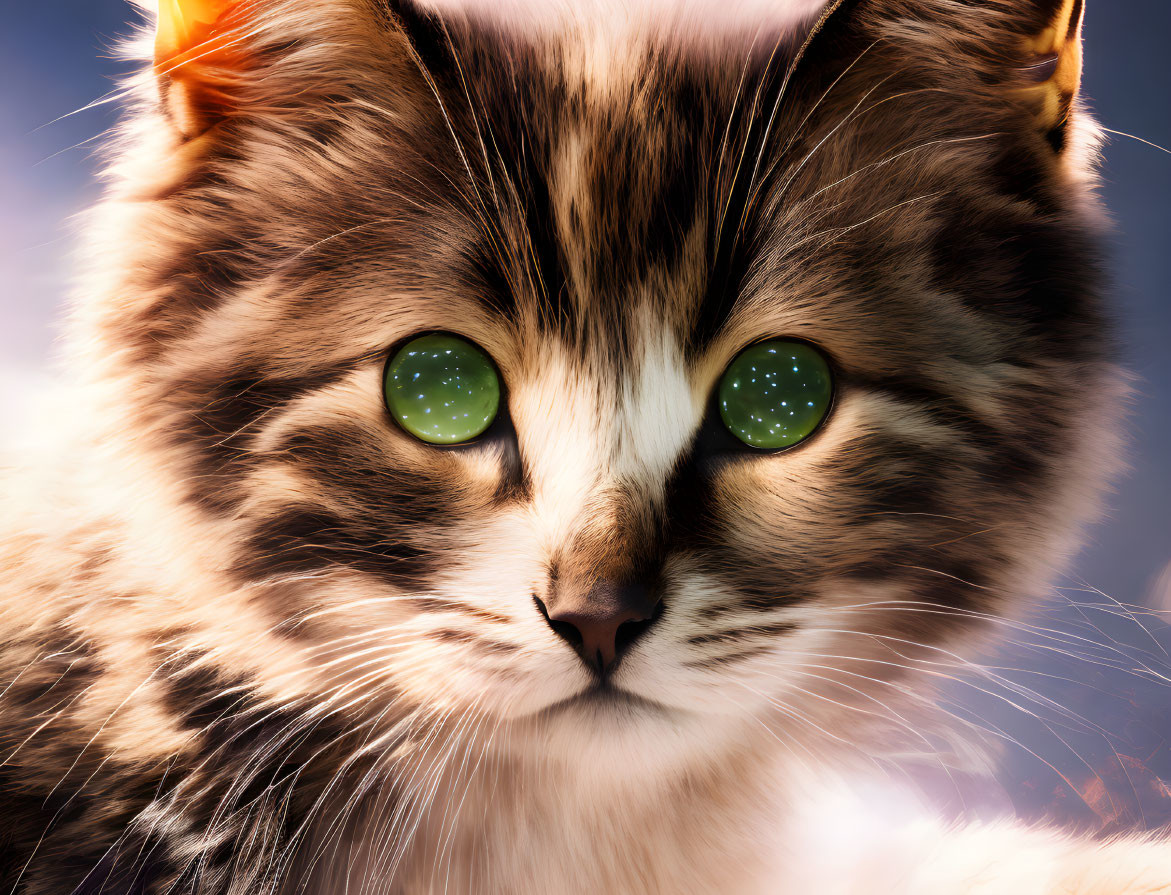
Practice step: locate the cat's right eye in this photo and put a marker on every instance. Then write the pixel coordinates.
(442, 389)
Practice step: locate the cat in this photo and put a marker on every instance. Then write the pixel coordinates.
(271, 626)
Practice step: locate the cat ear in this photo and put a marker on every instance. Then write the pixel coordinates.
(198, 59)
(1053, 68)
(1026, 51)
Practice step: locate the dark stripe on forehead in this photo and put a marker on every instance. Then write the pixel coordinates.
(527, 167)
(635, 189)
(748, 134)
(637, 170)
(502, 108)
(423, 28)
(645, 171)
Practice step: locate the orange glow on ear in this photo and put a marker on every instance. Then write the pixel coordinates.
(187, 25)
(1061, 44)
(199, 59)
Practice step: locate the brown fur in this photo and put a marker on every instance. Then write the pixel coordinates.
(257, 635)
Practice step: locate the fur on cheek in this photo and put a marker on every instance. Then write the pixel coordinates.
(257, 637)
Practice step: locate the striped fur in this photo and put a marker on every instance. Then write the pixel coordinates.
(256, 637)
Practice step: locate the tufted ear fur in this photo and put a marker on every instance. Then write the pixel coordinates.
(1027, 52)
(199, 57)
(1055, 67)
(219, 59)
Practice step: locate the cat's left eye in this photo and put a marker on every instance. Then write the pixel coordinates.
(775, 394)
(442, 389)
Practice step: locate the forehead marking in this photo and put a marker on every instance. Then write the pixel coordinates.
(573, 203)
(659, 410)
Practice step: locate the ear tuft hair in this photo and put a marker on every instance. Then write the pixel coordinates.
(1026, 51)
(1055, 74)
(198, 56)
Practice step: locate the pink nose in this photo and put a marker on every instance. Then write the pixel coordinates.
(603, 623)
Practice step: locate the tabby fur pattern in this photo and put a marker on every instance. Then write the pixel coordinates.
(257, 640)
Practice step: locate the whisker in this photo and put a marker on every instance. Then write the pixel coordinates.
(1139, 139)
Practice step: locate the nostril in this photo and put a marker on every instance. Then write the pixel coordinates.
(567, 632)
(630, 631)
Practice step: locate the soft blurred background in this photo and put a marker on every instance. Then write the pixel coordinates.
(1081, 701)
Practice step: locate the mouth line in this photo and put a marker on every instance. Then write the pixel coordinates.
(602, 696)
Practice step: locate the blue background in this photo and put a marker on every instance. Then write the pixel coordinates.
(56, 58)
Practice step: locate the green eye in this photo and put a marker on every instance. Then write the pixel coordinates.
(775, 393)
(442, 389)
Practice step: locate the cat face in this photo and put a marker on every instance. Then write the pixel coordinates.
(613, 216)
